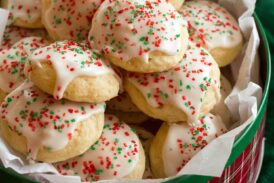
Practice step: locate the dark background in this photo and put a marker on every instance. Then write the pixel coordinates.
(265, 11)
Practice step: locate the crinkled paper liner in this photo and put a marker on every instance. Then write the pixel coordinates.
(242, 102)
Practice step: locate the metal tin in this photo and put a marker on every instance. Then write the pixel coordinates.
(240, 144)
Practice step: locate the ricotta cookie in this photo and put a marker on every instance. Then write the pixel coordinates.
(12, 62)
(70, 70)
(214, 28)
(117, 154)
(49, 130)
(183, 93)
(174, 145)
(139, 35)
(69, 20)
(14, 34)
(26, 13)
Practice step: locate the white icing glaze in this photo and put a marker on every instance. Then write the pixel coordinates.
(114, 155)
(134, 28)
(183, 86)
(26, 10)
(15, 34)
(44, 122)
(70, 60)
(211, 25)
(122, 103)
(183, 142)
(13, 59)
(71, 19)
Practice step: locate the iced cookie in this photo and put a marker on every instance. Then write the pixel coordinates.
(14, 34)
(12, 62)
(68, 19)
(24, 13)
(117, 154)
(139, 35)
(49, 130)
(72, 71)
(214, 28)
(220, 108)
(183, 93)
(174, 145)
(122, 107)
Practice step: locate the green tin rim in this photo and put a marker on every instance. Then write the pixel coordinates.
(241, 143)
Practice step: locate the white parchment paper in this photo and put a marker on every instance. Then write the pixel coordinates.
(242, 102)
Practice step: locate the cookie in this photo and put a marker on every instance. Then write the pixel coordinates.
(12, 62)
(68, 20)
(49, 130)
(183, 93)
(72, 71)
(174, 145)
(14, 34)
(117, 154)
(139, 35)
(214, 28)
(26, 13)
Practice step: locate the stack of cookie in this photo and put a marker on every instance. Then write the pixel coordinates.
(144, 58)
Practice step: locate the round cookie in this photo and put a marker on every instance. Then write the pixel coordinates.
(12, 61)
(183, 93)
(68, 20)
(122, 107)
(72, 71)
(174, 145)
(49, 130)
(220, 108)
(26, 13)
(214, 28)
(177, 3)
(146, 139)
(117, 154)
(14, 34)
(139, 35)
